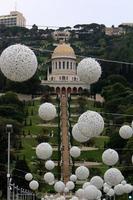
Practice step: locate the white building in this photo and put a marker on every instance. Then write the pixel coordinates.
(15, 18)
(62, 75)
(61, 35)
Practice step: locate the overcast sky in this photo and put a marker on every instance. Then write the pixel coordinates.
(71, 12)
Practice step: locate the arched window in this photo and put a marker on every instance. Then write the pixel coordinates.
(67, 65)
(63, 78)
(63, 64)
(59, 65)
(71, 65)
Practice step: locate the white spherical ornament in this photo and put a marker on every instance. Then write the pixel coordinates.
(75, 152)
(44, 151)
(110, 157)
(106, 189)
(126, 132)
(76, 133)
(111, 193)
(70, 185)
(59, 186)
(66, 190)
(91, 124)
(97, 181)
(28, 177)
(90, 192)
(89, 70)
(49, 177)
(73, 178)
(47, 111)
(33, 185)
(119, 189)
(86, 184)
(127, 188)
(51, 183)
(82, 173)
(74, 198)
(99, 194)
(113, 176)
(123, 182)
(18, 63)
(80, 193)
(49, 165)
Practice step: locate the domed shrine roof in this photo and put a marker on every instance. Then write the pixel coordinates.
(64, 51)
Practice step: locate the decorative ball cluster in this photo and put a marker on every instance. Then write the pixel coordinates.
(18, 63)
(44, 151)
(89, 70)
(110, 157)
(91, 124)
(126, 132)
(75, 152)
(47, 111)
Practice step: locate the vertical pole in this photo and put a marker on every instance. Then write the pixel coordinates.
(8, 167)
(13, 191)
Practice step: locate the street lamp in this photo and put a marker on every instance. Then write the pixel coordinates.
(9, 130)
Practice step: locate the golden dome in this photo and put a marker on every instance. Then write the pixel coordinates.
(63, 50)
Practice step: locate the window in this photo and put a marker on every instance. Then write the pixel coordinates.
(59, 65)
(63, 78)
(63, 64)
(56, 65)
(71, 65)
(67, 65)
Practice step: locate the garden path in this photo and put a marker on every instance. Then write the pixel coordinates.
(65, 140)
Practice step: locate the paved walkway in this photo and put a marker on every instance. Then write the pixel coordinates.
(65, 141)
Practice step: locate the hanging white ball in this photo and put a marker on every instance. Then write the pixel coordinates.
(28, 177)
(111, 193)
(123, 182)
(33, 185)
(75, 152)
(82, 173)
(119, 189)
(97, 181)
(73, 178)
(89, 70)
(59, 186)
(49, 177)
(44, 151)
(90, 192)
(132, 159)
(74, 198)
(49, 165)
(51, 183)
(106, 189)
(76, 133)
(80, 193)
(99, 194)
(66, 190)
(113, 176)
(91, 124)
(18, 63)
(126, 132)
(110, 157)
(47, 111)
(70, 185)
(86, 184)
(127, 188)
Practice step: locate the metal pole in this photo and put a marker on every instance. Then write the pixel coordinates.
(8, 131)
(8, 167)
(13, 190)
